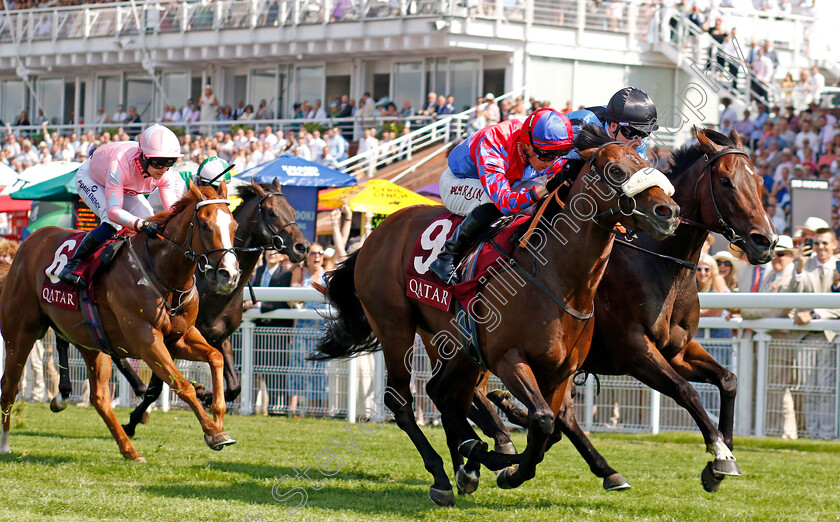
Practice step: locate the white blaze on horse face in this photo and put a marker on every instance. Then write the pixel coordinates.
(720, 450)
(223, 221)
(4, 442)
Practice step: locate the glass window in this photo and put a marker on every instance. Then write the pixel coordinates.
(264, 87)
(309, 84)
(12, 100)
(109, 93)
(610, 78)
(463, 83)
(50, 96)
(138, 94)
(551, 79)
(408, 84)
(176, 89)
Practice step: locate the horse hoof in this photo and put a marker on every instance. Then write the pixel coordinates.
(615, 482)
(467, 481)
(145, 419)
(56, 405)
(497, 396)
(141, 460)
(218, 441)
(129, 431)
(710, 481)
(726, 468)
(442, 497)
(507, 448)
(503, 478)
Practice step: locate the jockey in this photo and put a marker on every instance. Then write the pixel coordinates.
(209, 172)
(113, 182)
(502, 169)
(629, 115)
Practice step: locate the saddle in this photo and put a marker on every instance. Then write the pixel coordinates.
(58, 293)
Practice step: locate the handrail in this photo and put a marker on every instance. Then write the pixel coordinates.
(448, 130)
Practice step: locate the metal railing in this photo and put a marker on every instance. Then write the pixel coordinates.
(787, 374)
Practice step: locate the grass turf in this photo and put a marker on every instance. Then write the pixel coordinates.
(66, 467)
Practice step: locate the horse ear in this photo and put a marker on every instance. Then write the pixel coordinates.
(707, 145)
(277, 185)
(222, 190)
(195, 192)
(587, 154)
(257, 188)
(736, 138)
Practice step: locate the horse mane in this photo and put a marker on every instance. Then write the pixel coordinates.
(591, 137)
(246, 192)
(187, 200)
(684, 157)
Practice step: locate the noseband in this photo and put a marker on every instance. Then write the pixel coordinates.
(721, 227)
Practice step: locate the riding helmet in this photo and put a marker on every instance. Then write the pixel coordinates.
(633, 108)
(158, 141)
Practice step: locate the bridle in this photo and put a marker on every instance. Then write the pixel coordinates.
(277, 241)
(721, 227)
(202, 260)
(629, 209)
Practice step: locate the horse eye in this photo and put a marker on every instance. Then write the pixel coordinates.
(615, 172)
(726, 182)
(205, 226)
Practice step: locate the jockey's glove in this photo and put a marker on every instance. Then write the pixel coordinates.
(151, 228)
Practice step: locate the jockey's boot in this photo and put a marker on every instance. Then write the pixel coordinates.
(445, 265)
(89, 244)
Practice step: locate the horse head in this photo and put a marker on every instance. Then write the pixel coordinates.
(639, 195)
(276, 219)
(731, 197)
(211, 235)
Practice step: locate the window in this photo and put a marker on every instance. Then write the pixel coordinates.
(463, 83)
(50, 97)
(309, 84)
(176, 89)
(12, 100)
(408, 84)
(138, 94)
(109, 94)
(264, 87)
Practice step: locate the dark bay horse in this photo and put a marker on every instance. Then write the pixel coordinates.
(531, 338)
(266, 221)
(147, 303)
(648, 332)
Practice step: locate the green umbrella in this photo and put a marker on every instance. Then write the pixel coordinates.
(59, 188)
(50, 214)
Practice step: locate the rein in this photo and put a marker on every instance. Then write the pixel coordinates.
(277, 242)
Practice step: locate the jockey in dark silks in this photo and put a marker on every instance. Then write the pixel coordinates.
(629, 115)
(501, 169)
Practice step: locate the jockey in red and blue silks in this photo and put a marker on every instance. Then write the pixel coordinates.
(501, 169)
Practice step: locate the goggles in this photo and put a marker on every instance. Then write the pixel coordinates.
(631, 133)
(160, 163)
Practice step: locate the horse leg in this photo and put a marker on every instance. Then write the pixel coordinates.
(99, 373)
(157, 356)
(517, 376)
(153, 391)
(697, 365)
(484, 415)
(131, 376)
(193, 347)
(651, 368)
(502, 400)
(65, 387)
(566, 422)
(232, 384)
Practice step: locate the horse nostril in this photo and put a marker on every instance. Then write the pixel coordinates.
(663, 212)
(762, 241)
(301, 248)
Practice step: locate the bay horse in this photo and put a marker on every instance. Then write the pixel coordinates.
(266, 221)
(147, 303)
(535, 346)
(648, 332)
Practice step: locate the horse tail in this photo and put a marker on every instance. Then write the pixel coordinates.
(348, 332)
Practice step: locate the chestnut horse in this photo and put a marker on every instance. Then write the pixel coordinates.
(147, 304)
(648, 332)
(266, 221)
(532, 339)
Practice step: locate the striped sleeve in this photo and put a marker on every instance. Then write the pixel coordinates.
(492, 163)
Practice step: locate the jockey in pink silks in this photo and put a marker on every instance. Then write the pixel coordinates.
(113, 182)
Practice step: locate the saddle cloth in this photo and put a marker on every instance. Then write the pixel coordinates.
(424, 286)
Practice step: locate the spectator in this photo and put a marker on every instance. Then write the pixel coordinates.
(318, 112)
(727, 113)
(491, 111)
(709, 279)
(262, 112)
(815, 85)
(316, 146)
(337, 143)
(744, 126)
(247, 113)
(407, 110)
(207, 105)
(239, 110)
(132, 120)
(476, 122)
(22, 119)
(728, 266)
(431, 104)
(120, 115)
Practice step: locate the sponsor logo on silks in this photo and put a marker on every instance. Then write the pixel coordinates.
(466, 191)
(429, 293)
(61, 298)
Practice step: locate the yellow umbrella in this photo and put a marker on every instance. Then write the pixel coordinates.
(377, 195)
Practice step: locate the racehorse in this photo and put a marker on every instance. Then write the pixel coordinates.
(648, 332)
(147, 304)
(266, 221)
(536, 344)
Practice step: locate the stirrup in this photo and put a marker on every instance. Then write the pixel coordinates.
(72, 279)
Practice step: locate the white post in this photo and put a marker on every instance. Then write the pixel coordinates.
(246, 397)
(836, 387)
(125, 392)
(589, 404)
(352, 388)
(761, 339)
(746, 373)
(379, 386)
(655, 411)
(164, 397)
(2, 355)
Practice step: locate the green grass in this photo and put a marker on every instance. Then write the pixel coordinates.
(67, 467)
